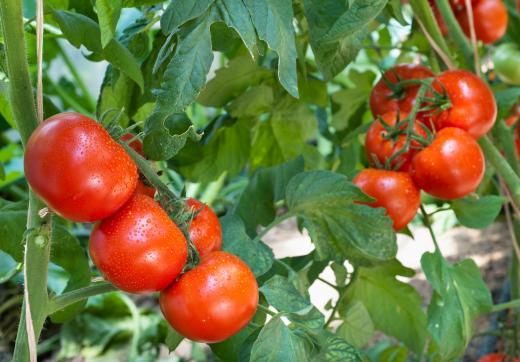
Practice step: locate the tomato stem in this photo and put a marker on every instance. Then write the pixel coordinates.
(266, 310)
(508, 305)
(64, 300)
(427, 223)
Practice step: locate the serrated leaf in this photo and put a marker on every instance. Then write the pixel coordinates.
(460, 295)
(258, 256)
(273, 22)
(108, 12)
(180, 12)
(231, 81)
(234, 13)
(357, 327)
(253, 102)
(13, 216)
(337, 30)
(173, 339)
(277, 343)
(477, 212)
(339, 227)
(401, 314)
(334, 349)
(279, 293)
(81, 30)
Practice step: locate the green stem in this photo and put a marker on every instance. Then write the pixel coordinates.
(266, 310)
(62, 301)
(275, 222)
(333, 313)
(17, 299)
(426, 221)
(508, 305)
(328, 283)
(502, 167)
(134, 352)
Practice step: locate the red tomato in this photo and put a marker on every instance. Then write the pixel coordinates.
(205, 229)
(395, 191)
(135, 144)
(213, 301)
(144, 189)
(377, 146)
(139, 249)
(384, 100)
(440, 21)
(451, 167)
(490, 19)
(473, 106)
(497, 357)
(80, 172)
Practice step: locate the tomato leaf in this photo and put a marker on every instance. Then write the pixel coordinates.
(253, 102)
(338, 226)
(460, 295)
(13, 217)
(357, 327)
(477, 212)
(81, 30)
(506, 98)
(337, 30)
(332, 349)
(173, 339)
(235, 15)
(5, 106)
(273, 22)
(108, 12)
(179, 12)
(401, 314)
(258, 256)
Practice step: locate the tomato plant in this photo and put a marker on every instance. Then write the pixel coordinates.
(204, 229)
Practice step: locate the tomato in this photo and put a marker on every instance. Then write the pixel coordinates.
(384, 100)
(452, 166)
(136, 144)
(437, 14)
(507, 63)
(80, 172)
(213, 301)
(142, 188)
(139, 249)
(473, 106)
(490, 20)
(497, 357)
(382, 149)
(205, 231)
(395, 191)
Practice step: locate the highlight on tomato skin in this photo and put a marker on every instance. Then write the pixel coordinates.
(77, 169)
(213, 301)
(205, 230)
(139, 249)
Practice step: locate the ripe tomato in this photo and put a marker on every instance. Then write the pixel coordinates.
(144, 189)
(377, 146)
(136, 144)
(440, 21)
(139, 249)
(384, 100)
(506, 60)
(497, 357)
(473, 106)
(490, 19)
(452, 166)
(205, 231)
(395, 191)
(80, 172)
(213, 301)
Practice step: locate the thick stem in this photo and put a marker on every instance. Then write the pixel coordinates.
(511, 304)
(64, 300)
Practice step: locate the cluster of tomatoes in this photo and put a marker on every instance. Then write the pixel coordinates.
(435, 151)
(84, 175)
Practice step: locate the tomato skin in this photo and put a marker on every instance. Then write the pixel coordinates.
(377, 146)
(80, 172)
(490, 19)
(473, 107)
(506, 60)
(205, 230)
(139, 249)
(381, 100)
(144, 189)
(213, 301)
(451, 167)
(395, 191)
(497, 357)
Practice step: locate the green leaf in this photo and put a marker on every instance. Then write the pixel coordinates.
(277, 343)
(273, 22)
(394, 307)
(2, 172)
(283, 136)
(357, 327)
(477, 212)
(460, 295)
(173, 339)
(340, 227)
(253, 102)
(81, 30)
(279, 293)
(231, 81)
(258, 256)
(234, 13)
(506, 98)
(108, 12)
(186, 72)
(68, 254)
(13, 216)
(337, 30)
(334, 349)
(181, 11)
(5, 105)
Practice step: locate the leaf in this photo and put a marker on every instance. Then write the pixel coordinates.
(477, 212)
(13, 217)
(81, 30)
(273, 22)
(108, 12)
(505, 99)
(460, 295)
(186, 72)
(339, 227)
(276, 342)
(5, 105)
(279, 293)
(179, 12)
(337, 30)
(173, 339)
(253, 102)
(283, 136)
(357, 327)
(231, 81)
(258, 256)
(234, 13)
(68, 254)
(394, 307)
(266, 186)
(2, 172)
(334, 349)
